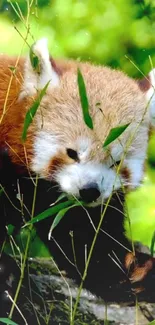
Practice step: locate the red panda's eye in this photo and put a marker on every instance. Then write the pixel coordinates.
(115, 164)
(72, 154)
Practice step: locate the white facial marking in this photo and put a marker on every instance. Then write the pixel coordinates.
(84, 145)
(33, 80)
(117, 151)
(77, 176)
(45, 147)
(136, 166)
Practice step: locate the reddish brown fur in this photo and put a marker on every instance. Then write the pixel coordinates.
(125, 173)
(144, 84)
(14, 112)
(138, 272)
(115, 106)
(56, 163)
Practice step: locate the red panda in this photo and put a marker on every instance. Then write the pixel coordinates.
(59, 144)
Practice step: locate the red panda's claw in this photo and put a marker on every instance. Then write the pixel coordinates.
(139, 268)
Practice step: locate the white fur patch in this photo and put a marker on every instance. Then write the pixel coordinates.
(116, 152)
(33, 80)
(72, 178)
(75, 177)
(150, 95)
(84, 146)
(45, 147)
(136, 168)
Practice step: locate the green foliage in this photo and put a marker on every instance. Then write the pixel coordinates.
(32, 111)
(34, 60)
(152, 248)
(7, 321)
(10, 229)
(152, 323)
(114, 134)
(7, 6)
(1, 191)
(102, 32)
(36, 248)
(50, 212)
(60, 215)
(84, 100)
(141, 206)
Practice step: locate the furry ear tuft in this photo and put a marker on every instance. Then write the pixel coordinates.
(38, 70)
(150, 95)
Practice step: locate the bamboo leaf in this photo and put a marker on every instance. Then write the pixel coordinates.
(7, 321)
(34, 60)
(10, 229)
(32, 111)
(1, 191)
(49, 212)
(152, 244)
(61, 197)
(84, 100)
(114, 134)
(59, 216)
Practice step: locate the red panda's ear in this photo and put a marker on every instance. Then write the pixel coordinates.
(38, 70)
(147, 85)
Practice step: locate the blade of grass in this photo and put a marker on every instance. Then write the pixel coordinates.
(59, 216)
(7, 321)
(114, 134)
(10, 229)
(49, 212)
(152, 248)
(34, 60)
(61, 197)
(32, 111)
(84, 100)
(1, 191)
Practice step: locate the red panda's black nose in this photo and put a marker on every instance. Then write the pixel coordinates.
(89, 193)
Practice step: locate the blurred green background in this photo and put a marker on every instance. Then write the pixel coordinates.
(119, 33)
(101, 31)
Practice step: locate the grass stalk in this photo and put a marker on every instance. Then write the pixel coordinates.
(25, 253)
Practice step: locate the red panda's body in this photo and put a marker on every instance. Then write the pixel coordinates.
(114, 100)
(12, 111)
(60, 147)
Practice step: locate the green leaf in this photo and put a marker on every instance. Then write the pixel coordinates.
(60, 215)
(152, 323)
(1, 191)
(84, 100)
(37, 248)
(61, 197)
(7, 321)
(32, 111)
(12, 68)
(114, 134)
(34, 60)
(10, 229)
(152, 248)
(49, 212)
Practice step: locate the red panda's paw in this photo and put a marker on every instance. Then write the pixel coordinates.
(140, 270)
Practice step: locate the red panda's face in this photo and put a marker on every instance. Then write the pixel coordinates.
(67, 151)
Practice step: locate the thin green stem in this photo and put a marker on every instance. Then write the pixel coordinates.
(88, 260)
(25, 253)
